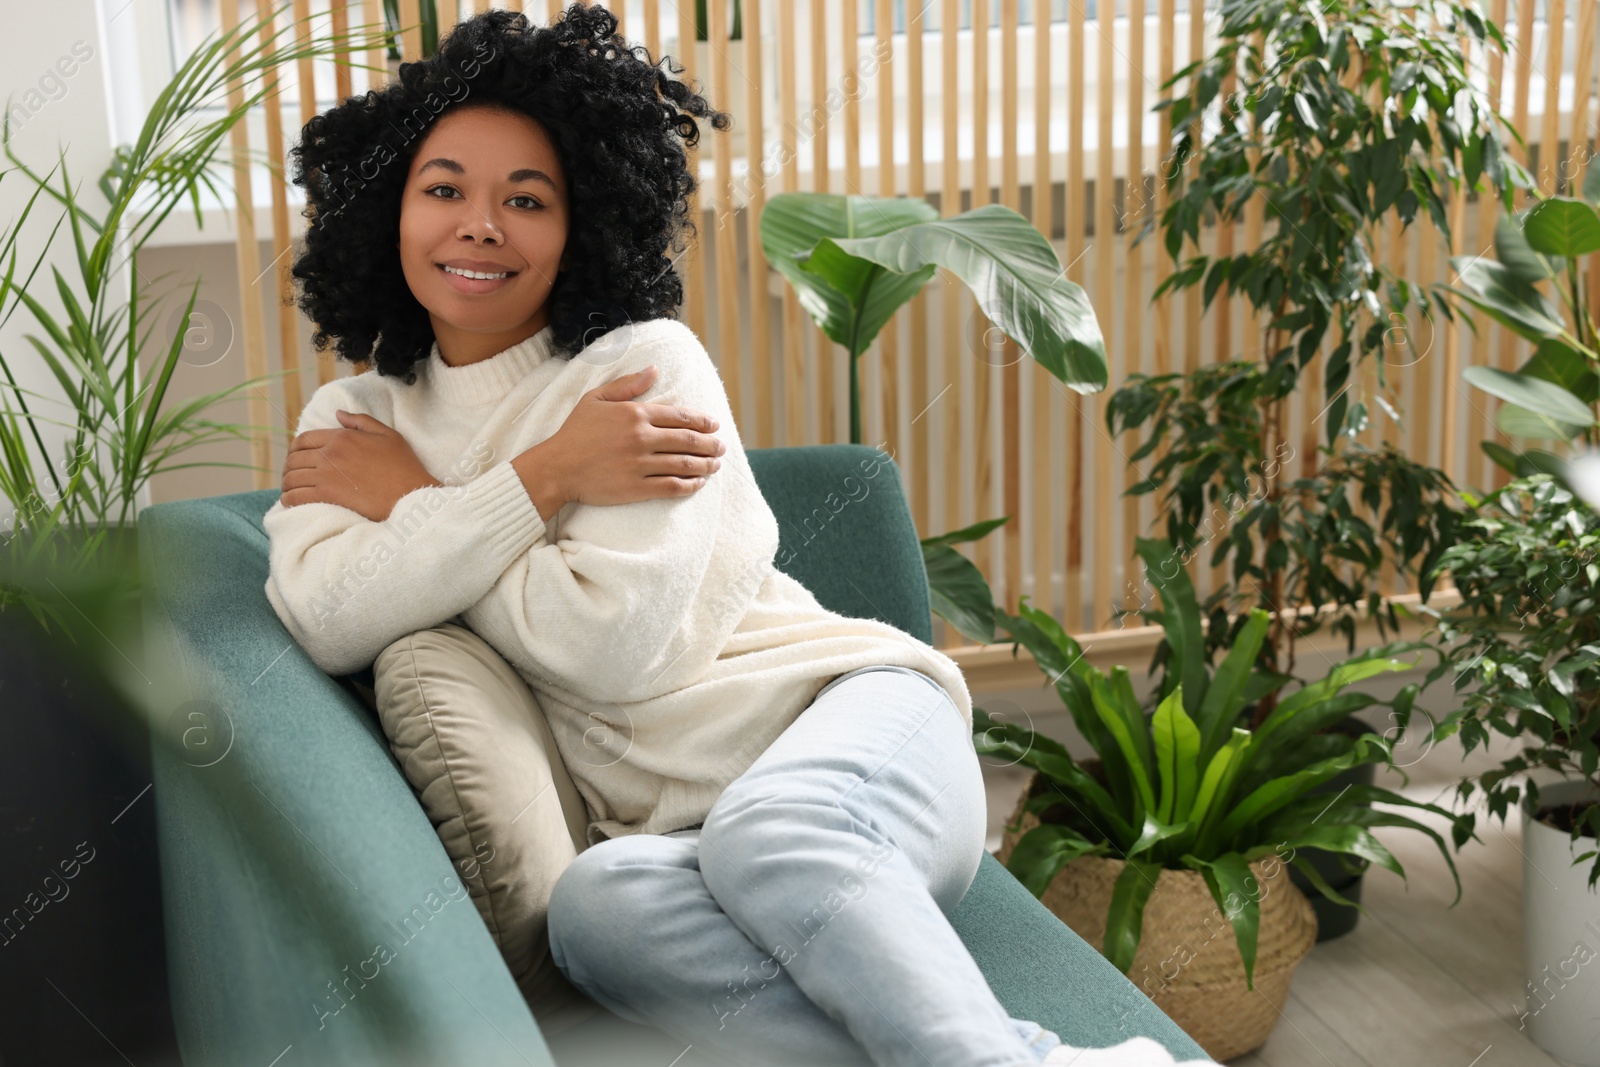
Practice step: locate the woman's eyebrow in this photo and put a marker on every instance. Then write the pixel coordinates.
(525, 174)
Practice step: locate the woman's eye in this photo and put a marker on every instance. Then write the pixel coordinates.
(532, 203)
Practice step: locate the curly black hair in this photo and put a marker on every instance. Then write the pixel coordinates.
(619, 123)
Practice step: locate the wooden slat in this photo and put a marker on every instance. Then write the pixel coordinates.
(247, 261)
(850, 36)
(982, 455)
(1550, 127)
(1105, 303)
(889, 347)
(282, 283)
(1167, 65)
(1254, 223)
(1452, 348)
(794, 357)
(410, 31)
(1578, 149)
(1072, 607)
(952, 293)
(760, 303)
(1191, 296)
(692, 260)
(339, 17)
(1483, 337)
(1135, 304)
(1042, 385)
(729, 346)
(652, 28)
(826, 354)
(1523, 47)
(921, 355)
(377, 75)
(1010, 371)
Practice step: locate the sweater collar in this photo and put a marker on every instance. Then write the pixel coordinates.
(490, 379)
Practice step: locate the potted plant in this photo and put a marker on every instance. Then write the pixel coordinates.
(1333, 123)
(1169, 849)
(1526, 637)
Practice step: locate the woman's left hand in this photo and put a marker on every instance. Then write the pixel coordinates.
(365, 466)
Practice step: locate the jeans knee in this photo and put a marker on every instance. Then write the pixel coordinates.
(604, 889)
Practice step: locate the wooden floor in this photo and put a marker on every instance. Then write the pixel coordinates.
(1417, 983)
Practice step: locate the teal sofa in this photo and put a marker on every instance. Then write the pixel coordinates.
(291, 844)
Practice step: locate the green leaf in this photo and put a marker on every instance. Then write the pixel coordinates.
(976, 532)
(1126, 726)
(1519, 422)
(1502, 456)
(1224, 698)
(1048, 757)
(1234, 887)
(959, 593)
(1041, 854)
(1125, 920)
(1016, 277)
(1217, 781)
(1155, 831)
(836, 288)
(1506, 298)
(1557, 362)
(1564, 413)
(1180, 620)
(1512, 249)
(1562, 226)
(1277, 792)
(1177, 743)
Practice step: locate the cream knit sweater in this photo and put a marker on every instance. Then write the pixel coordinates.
(665, 647)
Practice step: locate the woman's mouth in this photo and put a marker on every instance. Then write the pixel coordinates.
(464, 284)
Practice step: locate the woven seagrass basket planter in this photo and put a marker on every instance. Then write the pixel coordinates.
(1188, 961)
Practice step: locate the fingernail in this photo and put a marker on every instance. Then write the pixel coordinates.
(716, 464)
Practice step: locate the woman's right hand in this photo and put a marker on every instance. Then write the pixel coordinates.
(608, 452)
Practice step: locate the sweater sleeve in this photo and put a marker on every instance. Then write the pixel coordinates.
(346, 587)
(637, 599)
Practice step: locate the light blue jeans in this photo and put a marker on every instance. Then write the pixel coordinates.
(806, 921)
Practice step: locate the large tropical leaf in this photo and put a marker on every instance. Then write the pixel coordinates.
(1018, 281)
(1566, 414)
(1505, 297)
(959, 592)
(1562, 226)
(792, 226)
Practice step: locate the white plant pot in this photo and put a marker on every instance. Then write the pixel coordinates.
(1561, 936)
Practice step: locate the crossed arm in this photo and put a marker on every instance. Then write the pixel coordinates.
(367, 545)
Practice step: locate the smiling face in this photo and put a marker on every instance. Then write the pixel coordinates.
(486, 192)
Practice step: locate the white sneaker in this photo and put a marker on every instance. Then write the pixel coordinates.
(1135, 1052)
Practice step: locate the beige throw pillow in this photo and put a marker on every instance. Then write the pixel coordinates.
(475, 746)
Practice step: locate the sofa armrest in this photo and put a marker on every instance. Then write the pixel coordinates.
(1040, 969)
(309, 903)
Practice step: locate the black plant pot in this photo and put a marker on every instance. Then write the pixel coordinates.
(1335, 920)
(82, 947)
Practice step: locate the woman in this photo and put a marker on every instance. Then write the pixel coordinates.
(786, 801)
